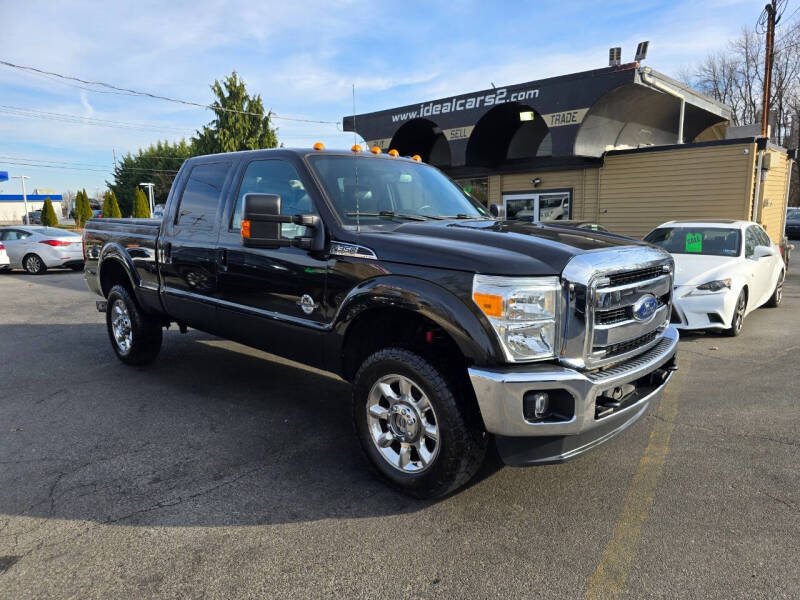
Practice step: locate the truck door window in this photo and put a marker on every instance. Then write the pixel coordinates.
(274, 176)
(201, 196)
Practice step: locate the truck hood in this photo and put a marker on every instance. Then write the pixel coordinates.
(488, 246)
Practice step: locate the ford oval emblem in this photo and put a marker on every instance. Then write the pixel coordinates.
(645, 308)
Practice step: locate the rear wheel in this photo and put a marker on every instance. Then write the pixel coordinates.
(412, 428)
(737, 322)
(777, 295)
(135, 336)
(33, 264)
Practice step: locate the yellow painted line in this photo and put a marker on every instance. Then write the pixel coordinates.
(612, 570)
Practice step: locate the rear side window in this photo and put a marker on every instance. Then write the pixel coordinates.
(14, 234)
(202, 194)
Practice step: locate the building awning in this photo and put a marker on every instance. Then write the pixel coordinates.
(581, 115)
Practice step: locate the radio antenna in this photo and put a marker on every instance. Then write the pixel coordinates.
(355, 163)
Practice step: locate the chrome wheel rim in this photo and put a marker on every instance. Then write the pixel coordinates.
(33, 263)
(739, 316)
(402, 424)
(121, 326)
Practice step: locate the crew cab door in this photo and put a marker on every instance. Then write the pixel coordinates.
(271, 298)
(188, 245)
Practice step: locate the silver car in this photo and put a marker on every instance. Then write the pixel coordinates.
(37, 249)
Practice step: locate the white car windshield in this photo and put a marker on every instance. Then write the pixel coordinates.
(377, 193)
(711, 241)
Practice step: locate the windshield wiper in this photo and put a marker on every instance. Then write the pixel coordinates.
(388, 213)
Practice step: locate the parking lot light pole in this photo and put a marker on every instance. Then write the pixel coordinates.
(150, 187)
(22, 178)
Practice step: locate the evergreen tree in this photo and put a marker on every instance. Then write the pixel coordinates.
(141, 207)
(49, 218)
(113, 207)
(248, 128)
(83, 210)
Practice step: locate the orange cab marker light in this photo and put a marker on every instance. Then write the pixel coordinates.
(375, 150)
(490, 304)
(417, 158)
(355, 148)
(319, 146)
(246, 228)
(393, 152)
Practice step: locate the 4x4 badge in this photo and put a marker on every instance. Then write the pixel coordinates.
(307, 304)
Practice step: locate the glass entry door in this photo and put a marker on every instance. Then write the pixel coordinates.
(544, 206)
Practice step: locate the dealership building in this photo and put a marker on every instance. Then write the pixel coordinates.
(12, 206)
(624, 146)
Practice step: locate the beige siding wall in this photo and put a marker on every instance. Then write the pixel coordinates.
(639, 191)
(634, 192)
(773, 195)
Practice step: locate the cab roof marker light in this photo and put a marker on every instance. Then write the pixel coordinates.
(416, 158)
(355, 148)
(319, 146)
(375, 150)
(394, 153)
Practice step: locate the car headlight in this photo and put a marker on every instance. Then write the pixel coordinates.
(523, 312)
(717, 285)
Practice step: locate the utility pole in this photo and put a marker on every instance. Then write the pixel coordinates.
(22, 178)
(114, 152)
(770, 9)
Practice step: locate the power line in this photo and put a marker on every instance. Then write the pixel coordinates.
(131, 92)
(169, 172)
(81, 120)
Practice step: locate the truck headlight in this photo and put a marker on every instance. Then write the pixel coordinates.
(523, 312)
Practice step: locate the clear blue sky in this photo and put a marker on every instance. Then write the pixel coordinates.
(303, 57)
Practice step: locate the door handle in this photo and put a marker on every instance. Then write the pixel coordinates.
(223, 260)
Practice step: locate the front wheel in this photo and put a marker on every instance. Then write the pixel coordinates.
(777, 295)
(737, 321)
(412, 427)
(135, 336)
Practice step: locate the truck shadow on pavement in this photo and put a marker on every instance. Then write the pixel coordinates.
(211, 434)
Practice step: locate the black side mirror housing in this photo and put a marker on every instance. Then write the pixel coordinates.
(262, 220)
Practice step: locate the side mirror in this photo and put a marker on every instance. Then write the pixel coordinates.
(762, 251)
(262, 220)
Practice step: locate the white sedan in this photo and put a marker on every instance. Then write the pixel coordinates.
(723, 271)
(37, 249)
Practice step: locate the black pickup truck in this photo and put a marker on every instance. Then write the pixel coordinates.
(456, 330)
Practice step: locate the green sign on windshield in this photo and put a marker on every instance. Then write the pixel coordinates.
(694, 242)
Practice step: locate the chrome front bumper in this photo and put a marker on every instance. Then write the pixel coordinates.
(500, 394)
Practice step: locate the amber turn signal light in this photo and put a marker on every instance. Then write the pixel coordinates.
(490, 304)
(246, 228)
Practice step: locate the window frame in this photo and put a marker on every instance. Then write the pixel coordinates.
(755, 236)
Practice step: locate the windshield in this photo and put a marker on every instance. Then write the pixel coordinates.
(712, 241)
(384, 192)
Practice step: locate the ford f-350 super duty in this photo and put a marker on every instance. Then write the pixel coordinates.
(457, 330)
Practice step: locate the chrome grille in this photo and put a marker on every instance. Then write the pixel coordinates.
(602, 289)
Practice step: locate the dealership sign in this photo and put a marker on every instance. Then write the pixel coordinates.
(498, 96)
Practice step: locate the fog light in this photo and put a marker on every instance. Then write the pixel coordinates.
(537, 405)
(552, 406)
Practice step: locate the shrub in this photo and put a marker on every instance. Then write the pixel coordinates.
(49, 217)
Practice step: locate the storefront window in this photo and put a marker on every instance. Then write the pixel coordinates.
(554, 206)
(478, 188)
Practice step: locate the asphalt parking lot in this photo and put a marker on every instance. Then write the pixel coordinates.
(223, 472)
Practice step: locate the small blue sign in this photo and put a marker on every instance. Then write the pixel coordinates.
(3, 175)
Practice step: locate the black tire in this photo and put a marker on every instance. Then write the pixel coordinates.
(737, 322)
(461, 442)
(33, 264)
(140, 334)
(777, 295)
